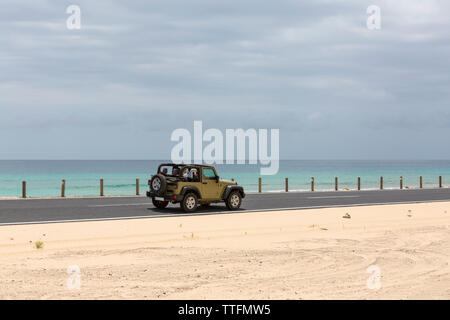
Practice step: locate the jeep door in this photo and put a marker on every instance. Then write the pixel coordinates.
(210, 187)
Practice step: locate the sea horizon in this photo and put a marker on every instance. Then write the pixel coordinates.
(82, 177)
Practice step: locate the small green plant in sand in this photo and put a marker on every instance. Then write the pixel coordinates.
(39, 244)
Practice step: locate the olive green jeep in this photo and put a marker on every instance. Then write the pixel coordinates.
(191, 185)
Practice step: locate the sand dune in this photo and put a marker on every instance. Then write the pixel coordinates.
(299, 254)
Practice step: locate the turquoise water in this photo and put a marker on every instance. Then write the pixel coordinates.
(82, 177)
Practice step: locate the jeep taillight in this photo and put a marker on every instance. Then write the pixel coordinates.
(149, 182)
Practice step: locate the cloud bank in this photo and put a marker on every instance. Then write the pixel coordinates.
(135, 71)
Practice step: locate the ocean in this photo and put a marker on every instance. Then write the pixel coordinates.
(82, 176)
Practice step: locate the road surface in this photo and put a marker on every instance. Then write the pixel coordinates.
(28, 211)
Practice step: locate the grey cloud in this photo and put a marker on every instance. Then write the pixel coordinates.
(309, 68)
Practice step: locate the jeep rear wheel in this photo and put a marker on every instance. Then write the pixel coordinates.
(189, 203)
(160, 204)
(234, 200)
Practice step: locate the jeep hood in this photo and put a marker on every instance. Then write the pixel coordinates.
(228, 181)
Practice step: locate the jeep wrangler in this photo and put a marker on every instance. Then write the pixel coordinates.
(191, 185)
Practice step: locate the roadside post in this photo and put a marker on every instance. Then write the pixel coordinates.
(137, 187)
(359, 183)
(312, 183)
(259, 185)
(335, 183)
(101, 187)
(420, 182)
(381, 183)
(24, 189)
(63, 188)
(401, 182)
(286, 185)
(440, 181)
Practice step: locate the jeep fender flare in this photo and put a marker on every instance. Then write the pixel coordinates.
(229, 189)
(193, 189)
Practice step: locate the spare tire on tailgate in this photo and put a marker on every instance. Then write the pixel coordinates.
(158, 184)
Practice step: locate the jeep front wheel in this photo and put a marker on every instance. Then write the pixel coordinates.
(160, 204)
(234, 200)
(189, 203)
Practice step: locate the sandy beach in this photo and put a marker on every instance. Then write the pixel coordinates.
(300, 254)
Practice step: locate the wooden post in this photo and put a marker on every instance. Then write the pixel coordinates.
(232, 179)
(286, 185)
(312, 183)
(440, 181)
(335, 184)
(137, 187)
(381, 183)
(420, 182)
(101, 187)
(401, 182)
(359, 183)
(259, 185)
(63, 188)
(24, 189)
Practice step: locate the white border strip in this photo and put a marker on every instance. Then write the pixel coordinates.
(332, 197)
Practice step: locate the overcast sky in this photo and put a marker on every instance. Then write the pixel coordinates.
(137, 70)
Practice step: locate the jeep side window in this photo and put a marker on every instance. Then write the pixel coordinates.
(209, 174)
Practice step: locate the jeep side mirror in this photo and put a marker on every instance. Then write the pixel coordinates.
(217, 178)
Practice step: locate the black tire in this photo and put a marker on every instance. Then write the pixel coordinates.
(158, 184)
(189, 202)
(234, 200)
(160, 204)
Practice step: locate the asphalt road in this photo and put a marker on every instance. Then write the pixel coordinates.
(28, 211)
